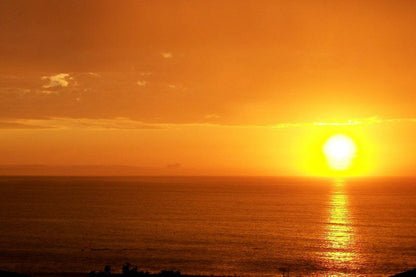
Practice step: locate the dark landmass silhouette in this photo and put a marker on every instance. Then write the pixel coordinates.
(163, 273)
(4, 273)
(89, 170)
(406, 273)
(128, 271)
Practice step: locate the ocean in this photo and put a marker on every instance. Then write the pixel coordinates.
(247, 226)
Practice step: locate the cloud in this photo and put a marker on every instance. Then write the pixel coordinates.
(17, 125)
(141, 83)
(15, 90)
(78, 123)
(94, 74)
(48, 92)
(166, 55)
(349, 122)
(122, 123)
(173, 165)
(125, 124)
(366, 121)
(212, 116)
(86, 170)
(114, 123)
(58, 80)
(176, 86)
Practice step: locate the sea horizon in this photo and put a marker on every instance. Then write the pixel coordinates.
(246, 226)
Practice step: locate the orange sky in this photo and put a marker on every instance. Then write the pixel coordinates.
(205, 87)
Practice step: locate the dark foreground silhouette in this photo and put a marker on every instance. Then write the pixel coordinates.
(163, 273)
(406, 273)
(132, 271)
(11, 274)
(129, 270)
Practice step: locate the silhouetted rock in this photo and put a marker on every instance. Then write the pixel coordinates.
(406, 273)
(170, 273)
(11, 274)
(126, 268)
(107, 269)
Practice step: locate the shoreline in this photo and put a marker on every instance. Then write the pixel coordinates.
(162, 273)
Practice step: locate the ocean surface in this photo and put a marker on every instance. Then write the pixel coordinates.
(209, 225)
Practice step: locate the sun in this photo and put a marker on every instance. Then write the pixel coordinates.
(339, 151)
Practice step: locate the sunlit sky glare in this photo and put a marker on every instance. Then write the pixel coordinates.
(206, 87)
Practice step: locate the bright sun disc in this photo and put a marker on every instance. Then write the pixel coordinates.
(339, 151)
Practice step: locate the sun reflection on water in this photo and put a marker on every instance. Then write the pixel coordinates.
(340, 255)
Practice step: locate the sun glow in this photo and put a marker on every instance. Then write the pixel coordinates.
(339, 150)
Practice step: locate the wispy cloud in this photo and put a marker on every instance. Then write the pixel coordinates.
(176, 87)
(130, 124)
(141, 83)
(365, 121)
(346, 123)
(166, 55)
(77, 123)
(173, 165)
(211, 116)
(146, 73)
(94, 74)
(47, 92)
(58, 80)
(15, 124)
(15, 90)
